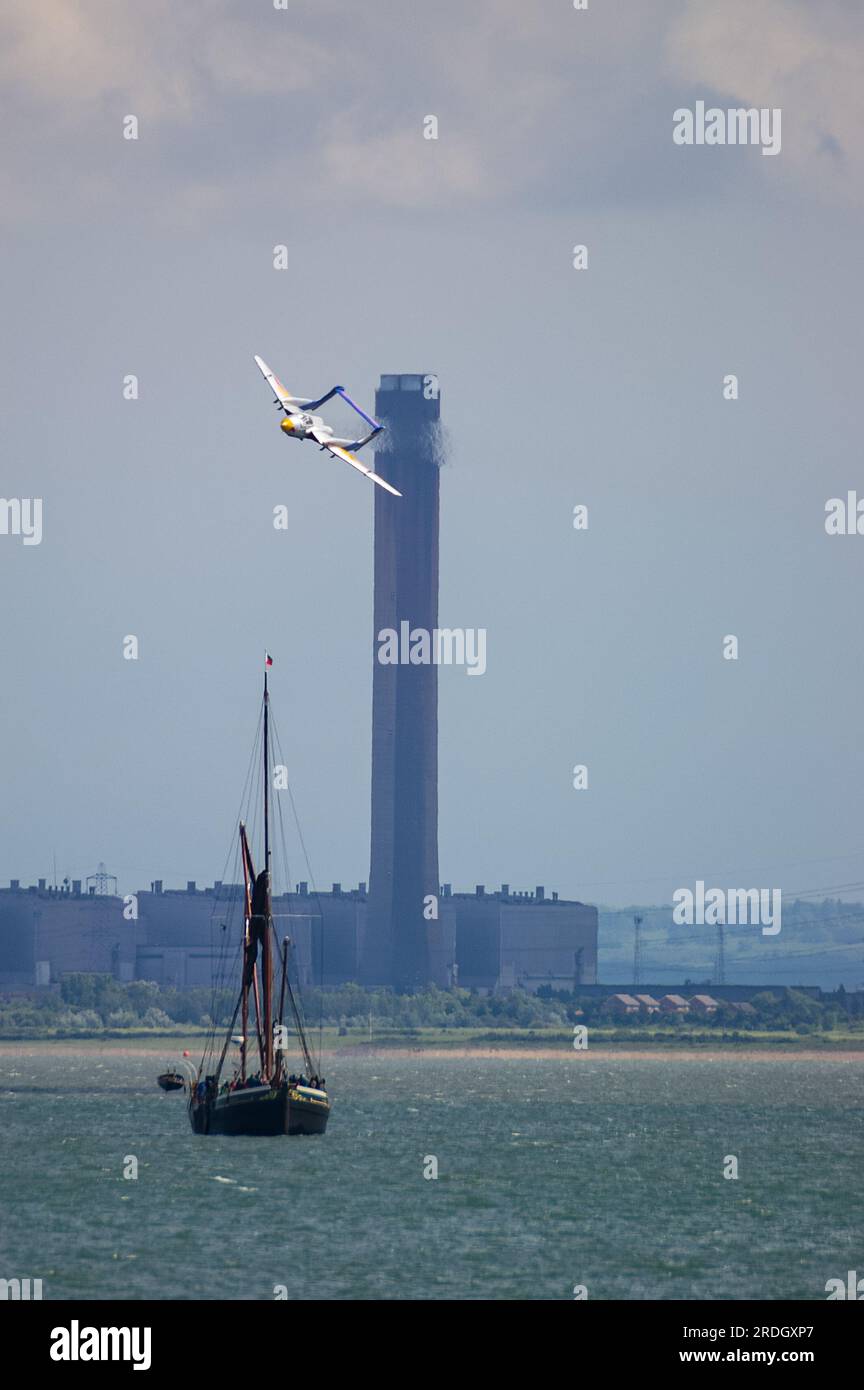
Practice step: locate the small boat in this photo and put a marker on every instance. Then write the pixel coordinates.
(171, 1080)
(266, 1101)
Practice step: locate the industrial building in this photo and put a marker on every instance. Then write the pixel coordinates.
(492, 940)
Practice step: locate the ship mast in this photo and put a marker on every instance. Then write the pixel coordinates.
(258, 918)
(259, 933)
(247, 944)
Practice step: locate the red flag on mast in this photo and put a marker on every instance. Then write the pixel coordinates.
(268, 660)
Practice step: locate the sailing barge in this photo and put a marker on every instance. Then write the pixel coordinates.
(267, 1101)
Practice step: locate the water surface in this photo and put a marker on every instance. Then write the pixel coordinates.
(606, 1172)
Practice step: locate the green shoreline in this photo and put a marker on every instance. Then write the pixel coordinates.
(475, 1039)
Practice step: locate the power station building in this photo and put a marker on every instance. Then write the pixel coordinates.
(493, 940)
(409, 930)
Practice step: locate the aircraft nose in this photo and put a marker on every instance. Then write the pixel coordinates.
(287, 426)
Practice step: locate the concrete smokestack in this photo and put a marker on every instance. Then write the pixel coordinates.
(403, 946)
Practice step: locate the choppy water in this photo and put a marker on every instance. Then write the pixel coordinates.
(603, 1172)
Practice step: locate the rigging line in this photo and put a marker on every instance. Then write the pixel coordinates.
(285, 863)
(301, 1033)
(296, 1007)
(321, 928)
(315, 894)
(222, 957)
(224, 994)
(231, 1027)
(299, 1013)
(277, 744)
(282, 842)
(244, 797)
(218, 975)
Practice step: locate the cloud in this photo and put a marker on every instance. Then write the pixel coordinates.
(69, 55)
(805, 59)
(165, 58)
(539, 105)
(401, 168)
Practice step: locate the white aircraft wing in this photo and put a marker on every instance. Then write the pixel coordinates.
(338, 452)
(276, 386)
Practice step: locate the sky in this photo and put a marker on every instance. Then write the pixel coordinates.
(603, 387)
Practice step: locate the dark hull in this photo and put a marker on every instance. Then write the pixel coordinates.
(259, 1111)
(171, 1083)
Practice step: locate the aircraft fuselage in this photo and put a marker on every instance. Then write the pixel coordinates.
(300, 426)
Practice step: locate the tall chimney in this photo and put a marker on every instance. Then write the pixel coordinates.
(402, 945)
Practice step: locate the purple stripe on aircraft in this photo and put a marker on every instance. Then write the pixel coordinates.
(368, 418)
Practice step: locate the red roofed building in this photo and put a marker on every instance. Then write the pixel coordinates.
(673, 1004)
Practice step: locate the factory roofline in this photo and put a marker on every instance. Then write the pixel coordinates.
(72, 888)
